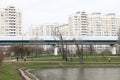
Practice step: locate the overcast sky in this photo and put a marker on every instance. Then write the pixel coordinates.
(51, 11)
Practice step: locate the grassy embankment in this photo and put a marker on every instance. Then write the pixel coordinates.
(9, 70)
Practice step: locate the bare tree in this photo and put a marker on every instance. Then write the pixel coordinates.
(118, 35)
(28, 50)
(35, 48)
(19, 50)
(2, 55)
(47, 50)
(79, 50)
(92, 52)
(104, 52)
(59, 35)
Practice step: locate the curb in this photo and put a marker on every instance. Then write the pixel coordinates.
(27, 71)
(23, 74)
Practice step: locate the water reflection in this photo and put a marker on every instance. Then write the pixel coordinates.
(78, 74)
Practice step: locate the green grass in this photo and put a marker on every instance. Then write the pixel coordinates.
(87, 58)
(9, 71)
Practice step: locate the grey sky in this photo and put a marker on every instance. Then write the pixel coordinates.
(51, 11)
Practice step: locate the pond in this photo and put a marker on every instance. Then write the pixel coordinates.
(78, 74)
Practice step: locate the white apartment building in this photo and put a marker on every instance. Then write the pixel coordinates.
(103, 25)
(78, 24)
(95, 24)
(10, 21)
(43, 30)
(64, 29)
(82, 24)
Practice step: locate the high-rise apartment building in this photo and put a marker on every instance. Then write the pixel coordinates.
(82, 24)
(78, 24)
(95, 24)
(10, 21)
(103, 25)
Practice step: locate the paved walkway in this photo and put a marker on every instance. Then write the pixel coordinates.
(13, 60)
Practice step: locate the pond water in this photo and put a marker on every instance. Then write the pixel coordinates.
(78, 74)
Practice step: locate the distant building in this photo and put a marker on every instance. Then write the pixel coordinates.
(103, 25)
(10, 21)
(64, 29)
(78, 24)
(48, 30)
(82, 24)
(95, 24)
(45, 29)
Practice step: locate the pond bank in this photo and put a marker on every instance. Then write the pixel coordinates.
(10, 69)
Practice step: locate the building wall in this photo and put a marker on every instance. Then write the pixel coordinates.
(11, 22)
(64, 29)
(44, 30)
(78, 24)
(82, 24)
(48, 29)
(95, 24)
(103, 25)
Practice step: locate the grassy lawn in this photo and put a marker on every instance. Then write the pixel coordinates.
(87, 59)
(9, 70)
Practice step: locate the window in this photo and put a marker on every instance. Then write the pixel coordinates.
(11, 23)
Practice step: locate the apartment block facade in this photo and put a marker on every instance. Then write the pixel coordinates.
(95, 24)
(10, 21)
(103, 25)
(78, 24)
(82, 24)
(42, 30)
